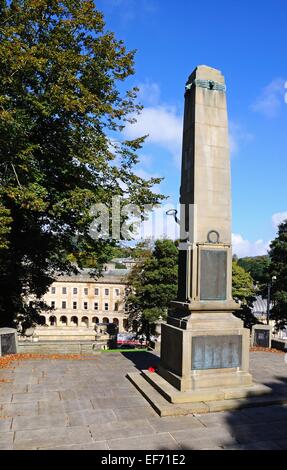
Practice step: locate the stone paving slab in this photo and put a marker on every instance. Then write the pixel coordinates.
(84, 417)
(36, 396)
(282, 443)
(175, 423)
(203, 438)
(60, 404)
(51, 437)
(43, 387)
(222, 434)
(6, 440)
(162, 441)
(14, 388)
(273, 413)
(99, 445)
(6, 374)
(264, 445)
(259, 432)
(223, 418)
(117, 403)
(5, 397)
(116, 430)
(103, 393)
(206, 443)
(5, 424)
(19, 409)
(26, 380)
(39, 422)
(64, 406)
(134, 413)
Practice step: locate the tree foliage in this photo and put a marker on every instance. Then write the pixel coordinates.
(62, 102)
(257, 267)
(153, 282)
(278, 268)
(243, 291)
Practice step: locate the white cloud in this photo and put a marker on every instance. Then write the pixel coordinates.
(242, 247)
(163, 125)
(278, 218)
(149, 93)
(238, 137)
(128, 10)
(144, 174)
(146, 161)
(159, 225)
(271, 99)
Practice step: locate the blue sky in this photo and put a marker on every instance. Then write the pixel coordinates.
(246, 40)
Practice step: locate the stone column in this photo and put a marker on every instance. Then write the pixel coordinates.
(121, 327)
(203, 343)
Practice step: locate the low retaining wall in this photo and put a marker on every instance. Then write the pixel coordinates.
(279, 344)
(57, 347)
(51, 333)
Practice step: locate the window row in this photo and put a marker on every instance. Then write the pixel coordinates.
(85, 305)
(82, 321)
(75, 290)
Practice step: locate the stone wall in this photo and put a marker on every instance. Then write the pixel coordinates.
(56, 347)
(279, 344)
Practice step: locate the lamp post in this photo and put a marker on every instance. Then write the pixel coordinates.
(269, 285)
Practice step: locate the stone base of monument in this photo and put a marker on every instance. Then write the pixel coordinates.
(168, 401)
(204, 365)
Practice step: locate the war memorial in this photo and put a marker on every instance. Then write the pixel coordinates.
(204, 347)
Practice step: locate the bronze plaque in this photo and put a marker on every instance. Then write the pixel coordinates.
(8, 344)
(216, 352)
(261, 338)
(213, 274)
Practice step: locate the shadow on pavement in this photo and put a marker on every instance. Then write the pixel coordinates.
(261, 427)
(142, 360)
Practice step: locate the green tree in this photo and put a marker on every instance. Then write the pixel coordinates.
(62, 110)
(243, 291)
(257, 267)
(153, 283)
(278, 268)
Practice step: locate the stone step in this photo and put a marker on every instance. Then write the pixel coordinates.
(159, 403)
(256, 395)
(172, 395)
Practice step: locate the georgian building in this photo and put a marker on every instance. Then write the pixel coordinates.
(81, 301)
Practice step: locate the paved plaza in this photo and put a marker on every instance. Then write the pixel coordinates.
(90, 404)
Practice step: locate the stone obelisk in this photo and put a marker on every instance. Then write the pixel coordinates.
(204, 347)
(203, 343)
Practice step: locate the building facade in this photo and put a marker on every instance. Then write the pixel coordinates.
(81, 301)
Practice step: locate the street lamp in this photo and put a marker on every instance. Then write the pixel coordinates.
(269, 285)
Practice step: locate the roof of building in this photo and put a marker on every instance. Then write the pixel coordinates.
(110, 275)
(260, 305)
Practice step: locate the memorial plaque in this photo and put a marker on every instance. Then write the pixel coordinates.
(213, 273)
(216, 352)
(8, 345)
(8, 341)
(262, 338)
